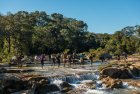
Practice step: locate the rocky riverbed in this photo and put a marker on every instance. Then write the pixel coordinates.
(80, 79)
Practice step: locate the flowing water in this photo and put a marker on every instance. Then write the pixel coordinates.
(76, 80)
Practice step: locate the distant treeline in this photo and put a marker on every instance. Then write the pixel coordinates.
(37, 32)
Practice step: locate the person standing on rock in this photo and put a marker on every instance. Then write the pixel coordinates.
(19, 62)
(81, 59)
(53, 59)
(64, 58)
(73, 58)
(125, 55)
(13, 60)
(58, 59)
(91, 59)
(35, 59)
(69, 57)
(42, 60)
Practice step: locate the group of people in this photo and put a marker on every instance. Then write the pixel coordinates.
(53, 58)
(70, 59)
(60, 58)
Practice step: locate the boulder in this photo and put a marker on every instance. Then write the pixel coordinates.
(125, 74)
(45, 89)
(88, 84)
(39, 79)
(122, 73)
(135, 71)
(3, 70)
(65, 87)
(112, 83)
(11, 83)
(111, 72)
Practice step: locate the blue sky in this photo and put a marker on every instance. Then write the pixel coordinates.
(102, 16)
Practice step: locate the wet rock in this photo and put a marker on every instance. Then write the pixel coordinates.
(13, 86)
(43, 81)
(65, 87)
(112, 83)
(3, 70)
(112, 72)
(122, 73)
(133, 82)
(11, 83)
(39, 79)
(44, 89)
(135, 71)
(89, 84)
(125, 74)
(77, 91)
(102, 76)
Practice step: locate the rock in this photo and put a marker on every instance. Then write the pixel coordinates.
(3, 70)
(76, 91)
(125, 74)
(11, 83)
(133, 82)
(122, 73)
(44, 89)
(102, 76)
(112, 72)
(65, 84)
(43, 81)
(93, 86)
(112, 83)
(39, 79)
(135, 71)
(89, 83)
(65, 87)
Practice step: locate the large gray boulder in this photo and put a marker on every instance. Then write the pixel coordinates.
(122, 73)
(11, 83)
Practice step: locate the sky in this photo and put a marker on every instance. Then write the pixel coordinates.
(102, 16)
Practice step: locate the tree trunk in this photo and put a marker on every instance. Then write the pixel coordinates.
(9, 44)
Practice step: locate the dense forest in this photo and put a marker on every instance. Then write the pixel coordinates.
(37, 32)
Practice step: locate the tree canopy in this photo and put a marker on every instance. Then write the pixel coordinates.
(37, 32)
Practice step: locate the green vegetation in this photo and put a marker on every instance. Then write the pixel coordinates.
(37, 32)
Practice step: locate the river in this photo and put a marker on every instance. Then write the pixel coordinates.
(76, 75)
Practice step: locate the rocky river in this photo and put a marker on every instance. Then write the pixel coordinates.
(79, 79)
